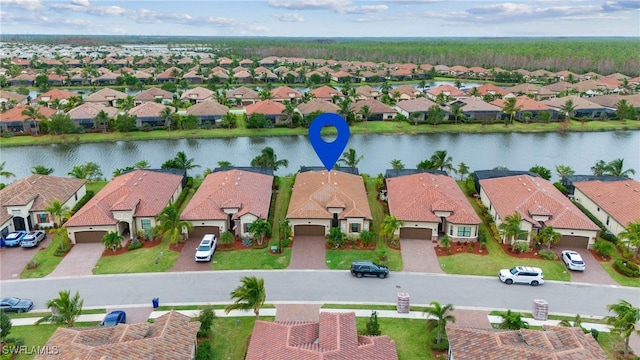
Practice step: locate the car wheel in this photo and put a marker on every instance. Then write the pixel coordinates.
(534, 283)
(19, 311)
(358, 275)
(508, 281)
(381, 276)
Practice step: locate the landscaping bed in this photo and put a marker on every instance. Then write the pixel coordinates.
(468, 248)
(125, 248)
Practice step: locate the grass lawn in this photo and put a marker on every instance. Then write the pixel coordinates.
(190, 192)
(280, 207)
(342, 259)
(96, 186)
(231, 336)
(619, 278)
(250, 259)
(36, 336)
(409, 335)
(46, 259)
(138, 261)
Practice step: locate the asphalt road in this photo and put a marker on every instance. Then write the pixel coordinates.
(324, 286)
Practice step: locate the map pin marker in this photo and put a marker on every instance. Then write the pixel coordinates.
(329, 152)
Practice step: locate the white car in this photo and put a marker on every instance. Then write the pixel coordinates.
(204, 251)
(33, 239)
(573, 260)
(522, 275)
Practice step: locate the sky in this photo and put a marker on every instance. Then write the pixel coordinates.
(323, 18)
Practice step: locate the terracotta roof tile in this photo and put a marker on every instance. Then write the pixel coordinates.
(243, 93)
(148, 109)
(421, 104)
(325, 92)
(318, 105)
(144, 191)
(375, 107)
(198, 93)
(313, 190)
(105, 95)
(152, 93)
(368, 91)
(491, 89)
(42, 188)
(15, 114)
(207, 107)
(525, 103)
(266, 107)
(285, 93)
(620, 199)
(578, 102)
(91, 110)
(4, 94)
(525, 194)
(447, 90)
(53, 94)
(250, 192)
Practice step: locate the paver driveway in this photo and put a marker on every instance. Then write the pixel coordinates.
(419, 256)
(308, 252)
(594, 272)
(14, 259)
(79, 261)
(186, 260)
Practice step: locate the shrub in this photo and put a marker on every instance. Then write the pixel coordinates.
(336, 238)
(286, 241)
(204, 351)
(135, 244)
(367, 237)
(246, 241)
(443, 346)
(595, 333)
(372, 326)
(561, 187)
(548, 255)
(626, 268)
(206, 317)
(521, 247)
(87, 196)
(470, 186)
(470, 248)
(603, 248)
(33, 264)
(226, 238)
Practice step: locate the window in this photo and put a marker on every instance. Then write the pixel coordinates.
(523, 235)
(450, 230)
(608, 219)
(355, 227)
(145, 224)
(464, 231)
(245, 227)
(42, 218)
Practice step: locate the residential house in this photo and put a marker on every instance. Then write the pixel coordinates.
(366, 92)
(243, 96)
(168, 75)
(525, 105)
(335, 336)
(56, 94)
(476, 109)
(404, 92)
(431, 205)
(285, 93)
(246, 62)
(193, 77)
(23, 202)
(105, 96)
(22, 80)
(208, 110)
(552, 343)
(154, 94)
(402, 73)
(172, 336)
(85, 114)
(9, 99)
(442, 69)
(271, 110)
(128, 203)
(266, 76)
(12, 120)
(143, 76)
(317, 106)
(446, 90)
(108, 78)
(343, 77)
(149, 114)
(197, 95)
(583, 107)
(225, 62)
(536, 92)
(56, 80)
(322, 200)
(614, 203)
(490, 89)
(415, 110)
(559, 87)
(243, 77)
(539, 204)
(229, 200)
(458, 70)
(377, 110)
(326, 93)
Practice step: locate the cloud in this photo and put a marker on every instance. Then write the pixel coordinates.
(289, 17)
(145, 16)
(30, 5)
(363, 9)
(621, 5)
(510, 12)
(96, 10)
(80, 2)
(220, 21)
(337, 6)
(366, 19)
(77, 23)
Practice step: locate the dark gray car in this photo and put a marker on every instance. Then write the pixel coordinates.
(13, 304)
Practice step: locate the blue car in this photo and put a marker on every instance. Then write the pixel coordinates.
(114, 318)
(14, 238)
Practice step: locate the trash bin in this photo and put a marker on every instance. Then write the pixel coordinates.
(403, 303)
(155, 302)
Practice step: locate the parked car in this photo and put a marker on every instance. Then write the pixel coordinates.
(114, 318)
(14, 304)
(14, 238)
(368, 268)
(33, 239)
(204, 251)
(522, 275)
(573, 260)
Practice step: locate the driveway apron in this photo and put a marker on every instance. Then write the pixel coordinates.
(79, 261)
(186, 259)
(419, 256)
(594, 273)
(14, 259)
(308, 252)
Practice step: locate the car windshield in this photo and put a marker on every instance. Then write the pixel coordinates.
(13, 301)
(12, 236)
(577, 261)
(513, 271)
(111, 322)
(204, 248)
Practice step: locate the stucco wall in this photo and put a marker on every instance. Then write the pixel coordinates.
(614, 226)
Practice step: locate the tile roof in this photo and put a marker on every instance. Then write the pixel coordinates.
(325, 92)
(104, 95)
(4, 94)
(207, 107)
(149, 109)
(335, 336)
(526, 194)
(447, 90)
(609, 100)
(472, 104)
(266, 107)
(313, 190)
(248, 190)
(375, 107)
(559, 86)
(578, 102)
(43, 189)
(55, 94)
(198, 93)
(620, 199)
(554, 343)
(15, 114)
(491, 89)
(417, 197)
(407, 90)
(368, 91)
(244, 93)
(90, 110)
(285, 92)
(525, 103)
(152, 93)
(318, 105)
(144, 191)
(171, 337)
(421, 104)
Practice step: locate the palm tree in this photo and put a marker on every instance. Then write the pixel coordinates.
(166, 116)
(64, 309)
(564, 171)
(615, 168)
(224, 164)
(259, 229)
(568, 108)
(435, 114)
(437, 318)
(462, 170)
(632, 233)
(510, 227)
(389, 226)
(365, 112)
(142, 164)
(170, 227)
(548, 236)
(182, 162)
(512, 321)
(251, 295)
(456, 112)
(59, 212)
(228, 120)
(5, 173)
(269, 159)
(624, 322)
(474, 92)
(415, 116)
(599, 168)
(577, 322)
(32, 114)
(397, 164)
(441, 161)
(345, 108)
(510, 108)
(41, 170)
(101, 120)
(425, 165)
(350, 158)
(112, 240)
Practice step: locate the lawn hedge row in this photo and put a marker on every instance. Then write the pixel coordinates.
(627, 268)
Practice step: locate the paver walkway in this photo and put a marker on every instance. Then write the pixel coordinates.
(308, 252)
(419, 256)
(79, 261)
(14, 259)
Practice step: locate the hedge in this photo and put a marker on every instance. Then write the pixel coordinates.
(627, 268)
(87, 196)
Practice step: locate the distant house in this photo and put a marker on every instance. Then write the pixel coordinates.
(8, 98)
(22, 80)
(539, 204)
(320, 106)
(154, 94)
(335, 336)
(525, 105)
(270, 109)
(283, 93)
(430, 205)
(229, 200)
(12, 120)
(477, 109)
(377, 110)
(404, 92)
(244, 95)
(56, 94)
(192, 77)
(23, 202)
(614, 203)
(536, 92)
(85, 114)
(582, 107)
(415, 109)
(106, 96)
(490, 89)
(208, 110)
(197, 95)
(172, 336)
(446, 90)
(322, 200)
(126, 204)
(149, 114)
(366, 92)
(326, 93)
(555, 342)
